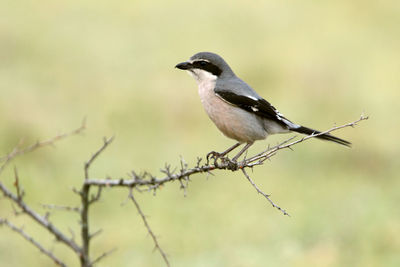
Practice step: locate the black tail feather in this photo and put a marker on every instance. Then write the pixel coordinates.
(308, 131)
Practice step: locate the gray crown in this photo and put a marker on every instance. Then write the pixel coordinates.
(215, 60)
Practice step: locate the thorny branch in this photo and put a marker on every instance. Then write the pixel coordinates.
(151, 182)
(106, 142)
(60, 207)
(17, 198)
(85, 203)
(146, 224)
(140, 182)
(41, 220)
(267, 154)
(20, 151)
(262, 193)
(102, 256)
(30, 239)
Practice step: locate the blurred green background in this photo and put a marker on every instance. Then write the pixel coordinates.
(318, 62)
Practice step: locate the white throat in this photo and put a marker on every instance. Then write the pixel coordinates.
(206, 83)
(203, 77)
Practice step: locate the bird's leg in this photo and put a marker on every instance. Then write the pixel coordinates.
(217, 155)
(234, 159)
(229, 149)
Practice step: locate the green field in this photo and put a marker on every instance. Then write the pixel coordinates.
(320, 63)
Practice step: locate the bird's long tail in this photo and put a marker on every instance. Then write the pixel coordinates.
(308, 131)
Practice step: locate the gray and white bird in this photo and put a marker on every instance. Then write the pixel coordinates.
(235, 108)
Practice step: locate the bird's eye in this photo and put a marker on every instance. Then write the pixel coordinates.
(203, 63)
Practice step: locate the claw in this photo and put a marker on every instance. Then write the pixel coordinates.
(232, 164)
(213, 155)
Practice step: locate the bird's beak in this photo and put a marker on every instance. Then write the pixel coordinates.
(184, 65)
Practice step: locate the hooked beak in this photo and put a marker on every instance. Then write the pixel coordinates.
(184, 65)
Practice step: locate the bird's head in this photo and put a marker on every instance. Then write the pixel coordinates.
(205, 66)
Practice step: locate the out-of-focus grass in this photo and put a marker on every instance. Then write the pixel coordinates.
(320, 63)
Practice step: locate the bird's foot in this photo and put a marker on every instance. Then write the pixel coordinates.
(231, 164)
(215, 156)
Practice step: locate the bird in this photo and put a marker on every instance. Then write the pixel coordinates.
(237, 110)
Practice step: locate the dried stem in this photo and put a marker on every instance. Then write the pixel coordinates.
(42, 220)
(102, 256)
(262, 193)
(18, 197)
(286, 144)
(61, 207)
(146, 224)
(20, 151)
(106, 142)
(85, 203)
(31, 240)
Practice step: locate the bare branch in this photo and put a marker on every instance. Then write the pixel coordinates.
(30, 239)
(95, 155)
(95, 198)
(286, 144)
(102, 256)
(262, 193)
(60, 207)
(72, 234)
(42, 220)
(20, 191)
(98, 232)
(20, 151)
(138, 181)
(85, 204)
(146, 224)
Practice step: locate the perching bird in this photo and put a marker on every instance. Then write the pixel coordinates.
(235, 108)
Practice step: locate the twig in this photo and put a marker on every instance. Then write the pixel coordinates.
(262, 193)
(72, 233)
(269, 153)
(20, 151)
(20, 191)
(95, 155)
(102, 256)
(98, 232)
(85, 204)
(30, 239)
(42, 220)
(95, 198)
(60, 207)
(146, 224)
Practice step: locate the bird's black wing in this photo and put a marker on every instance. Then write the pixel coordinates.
(258, 106)
(243, 96)
(264, 109)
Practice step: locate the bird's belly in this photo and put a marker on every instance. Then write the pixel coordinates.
(232, 121)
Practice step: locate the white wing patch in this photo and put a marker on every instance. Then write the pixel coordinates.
(255, 107)
(252, 97)
(281, 117)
